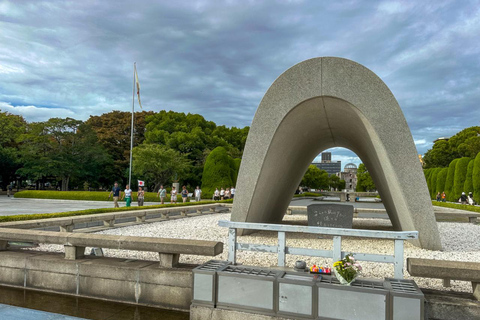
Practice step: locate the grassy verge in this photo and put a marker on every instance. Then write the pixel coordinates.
(456, 206)
(23, 217)
(83, 195)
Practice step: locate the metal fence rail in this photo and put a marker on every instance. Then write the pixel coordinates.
(336, 254)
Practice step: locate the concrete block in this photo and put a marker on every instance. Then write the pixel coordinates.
(51, 280)
(119, 290)
(476, 290)
(12, 276)
(113, 268)
(74, 253)
(140, 219)
(168, 260)
(3, 245)
(164, 215)
(178, 277)
(199, 211)
(183, 213)
(53, 262)
(212, 209)
(165, 296)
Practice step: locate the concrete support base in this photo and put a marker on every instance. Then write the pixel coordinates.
(74, 253)
(168, 260)
(109, 223)
(183, 213)
(199, 211)
(212, 209)
(165, 215)
(140, 219)
(446, 283)
(67, 228)
(476, 290)
(201, 313)
(3, 245)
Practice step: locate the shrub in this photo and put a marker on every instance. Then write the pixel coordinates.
(23, 217)
(450, 179)
(218, 172)
(476, 178)
(460, 175)
(468, 186)
(441, 178)
(427, 173)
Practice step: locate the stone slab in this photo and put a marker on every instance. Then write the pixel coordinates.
(330, 215)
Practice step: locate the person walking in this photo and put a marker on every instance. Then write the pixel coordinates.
(438, 196)
(184, 194)
(232, 192)
(140, 196)
(222, 193)
(162, 193)
(444, 197)
(127, 195)
(216, 195)
(173, 195)
(226, 196)
(116, 194)
(198, 194)
(470, 199)
(463, 198)
(9, 190)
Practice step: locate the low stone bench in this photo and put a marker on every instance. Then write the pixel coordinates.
(446, 270)
(169, 250)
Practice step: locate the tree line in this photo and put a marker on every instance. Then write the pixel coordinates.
(453, 165)
(68, 153)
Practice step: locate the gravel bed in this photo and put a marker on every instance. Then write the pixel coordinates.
(460, 243)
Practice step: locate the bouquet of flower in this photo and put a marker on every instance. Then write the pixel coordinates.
(347, 269)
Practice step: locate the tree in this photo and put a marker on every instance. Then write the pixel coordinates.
(218, 171)
(158, 165)
(441, 178)
(62, 149)
(364, 180)
(460, 176)
(315, 178)
(450, 180)
(433, 182)
(476, 178)
(113, 131)
(468, 186)
(334, 182)
(11, 127)
(465, 143)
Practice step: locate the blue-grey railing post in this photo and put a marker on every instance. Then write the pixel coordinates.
(281, 248)
(398, 257)
(232, 245)
(337, 248)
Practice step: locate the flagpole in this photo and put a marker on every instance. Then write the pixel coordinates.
(131, 133)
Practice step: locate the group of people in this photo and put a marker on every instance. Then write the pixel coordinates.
(464, 199)
(127, 194)
(224, 194)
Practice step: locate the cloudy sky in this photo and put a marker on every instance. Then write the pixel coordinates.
(217, 58)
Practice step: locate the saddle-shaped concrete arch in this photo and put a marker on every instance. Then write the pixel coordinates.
(332, 102)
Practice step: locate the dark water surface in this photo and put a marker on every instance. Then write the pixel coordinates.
(82, 307)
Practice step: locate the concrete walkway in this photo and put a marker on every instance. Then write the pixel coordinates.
(16, 313)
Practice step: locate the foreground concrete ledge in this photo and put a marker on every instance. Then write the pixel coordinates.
(124, 280)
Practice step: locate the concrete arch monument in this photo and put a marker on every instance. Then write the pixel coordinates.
(332, 102)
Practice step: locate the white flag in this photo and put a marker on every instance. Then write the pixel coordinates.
(141, 183)
(138, 87)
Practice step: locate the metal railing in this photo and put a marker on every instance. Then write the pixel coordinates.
(336, 253)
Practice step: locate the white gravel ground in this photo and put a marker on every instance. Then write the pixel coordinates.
(461, 242)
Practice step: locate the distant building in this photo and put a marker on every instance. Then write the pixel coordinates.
(328, 165)
(350, 176)
(422, 162)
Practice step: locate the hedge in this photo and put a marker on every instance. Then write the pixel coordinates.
(433, 182)
(218, 172)
(468, 186)
(22, 217)
(476, 178)
(460, 175)
(450, 179)
(441, 178)
(84, 195)
(427, 174)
